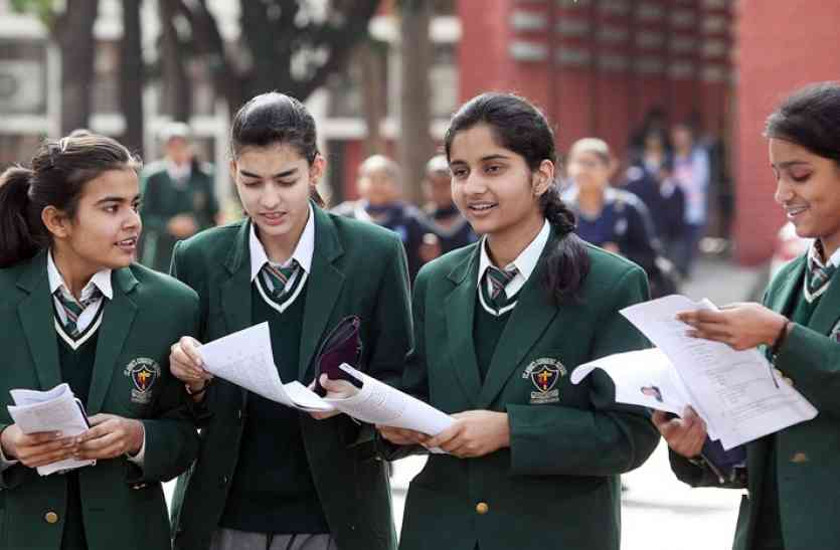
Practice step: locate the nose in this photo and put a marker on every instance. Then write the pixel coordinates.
(269, 198)
(783, 193)
(475, 184)
(133, 220)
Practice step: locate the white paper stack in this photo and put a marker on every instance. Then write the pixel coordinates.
(56, 410)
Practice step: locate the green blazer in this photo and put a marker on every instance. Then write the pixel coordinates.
(123, 506)
(163, 200)
(357, 269)
(557, 485)
(807, 455)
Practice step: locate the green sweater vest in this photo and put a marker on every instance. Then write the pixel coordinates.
(272, 489)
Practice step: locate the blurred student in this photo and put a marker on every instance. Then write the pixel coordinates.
(178, 198)
(444, 219)
(380, 189)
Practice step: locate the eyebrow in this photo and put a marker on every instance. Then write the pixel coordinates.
(278, 175)
(791, 163)
(108, 199)
(497, 156)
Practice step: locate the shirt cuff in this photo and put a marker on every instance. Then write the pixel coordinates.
(140, 457)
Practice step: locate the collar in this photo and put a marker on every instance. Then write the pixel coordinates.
(527, 260)
(815, 253)
(101, 280)
(178, 173)
(303, 251)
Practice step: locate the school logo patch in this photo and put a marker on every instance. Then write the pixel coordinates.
(544, 374)
(144, 373)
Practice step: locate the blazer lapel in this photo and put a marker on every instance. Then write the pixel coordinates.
(529, 319)
(828, 310)
(324, 287)
(36, 316)
(117, 318)
(460, 314)
(236, 291)
(784, 298)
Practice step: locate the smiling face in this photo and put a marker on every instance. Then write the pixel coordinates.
(274, 185)
(104, 231)
(808, 188)
(494, 187)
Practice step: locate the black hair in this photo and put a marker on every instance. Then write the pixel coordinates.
(519, 126)
(57, 177)
(809, 118)
(275, 118)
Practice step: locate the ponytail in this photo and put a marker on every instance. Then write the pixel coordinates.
(18, 239)
(567, 263)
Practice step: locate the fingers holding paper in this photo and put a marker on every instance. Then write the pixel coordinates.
(336, 389)
(109, 437)
(741, 326)
(37, 449)
(685, 435)
(402, 436)
(186, 364)
(473, 434)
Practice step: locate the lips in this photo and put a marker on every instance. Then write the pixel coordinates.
(481, 207)
(273, 218)
(128, 244)
(793, 211)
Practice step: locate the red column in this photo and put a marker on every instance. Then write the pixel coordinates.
(781, 46)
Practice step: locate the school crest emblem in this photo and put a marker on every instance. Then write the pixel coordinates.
(544, 374)
(144, 373)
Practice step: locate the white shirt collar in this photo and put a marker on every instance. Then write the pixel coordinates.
(303, 251)
(178, 173)
(101, 280)
(814, 253)
(525, 263)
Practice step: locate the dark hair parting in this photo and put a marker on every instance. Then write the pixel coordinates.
(809, 118)
(520, 127)
(273, 118)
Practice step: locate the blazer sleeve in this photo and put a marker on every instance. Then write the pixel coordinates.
(605, 439)
(812, 361)
(171, 437)
(390, 334)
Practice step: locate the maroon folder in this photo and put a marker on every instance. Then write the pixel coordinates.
(342, 345)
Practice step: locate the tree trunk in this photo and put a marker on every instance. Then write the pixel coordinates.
(415, 144)
(131, 77)
(73, 32)
(177, 96)
(374, 101)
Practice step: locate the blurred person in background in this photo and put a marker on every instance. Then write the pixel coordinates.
(691, 171)
(664, 200)
(611, 218)
(380, 188)
(444, 219)
(178, 198)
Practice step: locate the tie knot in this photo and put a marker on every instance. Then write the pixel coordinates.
(499, 279)
(280, 279)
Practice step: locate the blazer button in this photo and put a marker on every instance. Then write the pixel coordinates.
(788, 381)
(223, 481)
(51, 517)
(482, 508)
(239, 414)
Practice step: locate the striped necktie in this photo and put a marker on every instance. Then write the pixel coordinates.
(278, 279)
(817, 278)
(73, 309)
(493, 287)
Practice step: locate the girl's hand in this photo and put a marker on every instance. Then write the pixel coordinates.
(686, 435)
(474, 434)
(110, 436)
(741, 326)
(37, 449)
(336, 389)
(186, 364)
(402, 436)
